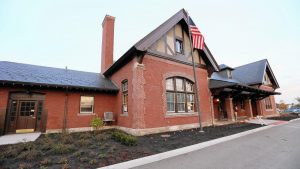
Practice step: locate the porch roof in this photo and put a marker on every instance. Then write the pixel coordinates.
(226, 86)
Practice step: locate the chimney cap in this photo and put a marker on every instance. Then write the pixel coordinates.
(109, 17)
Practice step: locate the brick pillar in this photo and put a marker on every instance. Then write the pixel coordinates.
(248, 108)
(229, 108)
(138, 95)
(259, 108)
(212, 110)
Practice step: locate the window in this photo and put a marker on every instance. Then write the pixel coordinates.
(180, 95)
(268, 103)
(242, 104)
(86, 104)
(179, 46)
(125, 96)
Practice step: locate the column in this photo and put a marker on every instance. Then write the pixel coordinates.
(259, 108)
(212, 110)
(248, 108)
(229, 109)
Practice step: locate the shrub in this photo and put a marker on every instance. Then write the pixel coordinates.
(85, 135)
(83, 142)
(10, 152)
(101, 155)
(83, 159)
(45, 162)
(77, 154)
(29, 155)
(66, 138)
(93, 162)
(125, 139)
(62, 149)
(96, 122)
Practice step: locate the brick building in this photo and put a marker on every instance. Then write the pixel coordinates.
(151, 88)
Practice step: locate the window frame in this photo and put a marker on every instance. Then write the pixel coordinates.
(180, 40)
(184, 92)
(268, 103)
(242, 104)
(124, 94)
(93, 105)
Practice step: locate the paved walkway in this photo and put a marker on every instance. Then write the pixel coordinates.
(17, 138)
(266, 121)
(273, 148)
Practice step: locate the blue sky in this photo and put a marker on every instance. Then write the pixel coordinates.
(61, 33)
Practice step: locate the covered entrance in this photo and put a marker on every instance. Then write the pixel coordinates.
(237, 101)
(25, 113)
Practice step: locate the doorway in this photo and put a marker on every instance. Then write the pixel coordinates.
(24, 113)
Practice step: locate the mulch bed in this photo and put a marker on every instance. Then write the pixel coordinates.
(92, 150)
(285, 117)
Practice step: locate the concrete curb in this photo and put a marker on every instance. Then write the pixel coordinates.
(180, 151)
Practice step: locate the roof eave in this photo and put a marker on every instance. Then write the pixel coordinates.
(3, 82)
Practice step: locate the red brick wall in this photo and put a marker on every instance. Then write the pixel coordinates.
(272, 111)
(125, 72)
(54, 104)
(3, 106)
(156, 71)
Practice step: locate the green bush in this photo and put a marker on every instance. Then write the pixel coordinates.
(96, 122)
(60, 148)
(83, 143)
(29, 155)
(124, 138)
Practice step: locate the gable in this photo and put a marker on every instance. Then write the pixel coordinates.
(255, 73)
(166, 46)
(269, 78)
(145, 44)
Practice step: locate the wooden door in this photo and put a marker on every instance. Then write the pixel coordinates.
(26, 115)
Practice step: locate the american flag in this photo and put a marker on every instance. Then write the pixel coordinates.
(198, 38)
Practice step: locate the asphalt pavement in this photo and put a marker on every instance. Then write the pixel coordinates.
(274, 148)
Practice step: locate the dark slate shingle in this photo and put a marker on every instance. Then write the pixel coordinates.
(26, 73)
(251, 73)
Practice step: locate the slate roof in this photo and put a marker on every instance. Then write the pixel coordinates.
(223, 66)
(251, 73)
(19, 73)
(244, 75)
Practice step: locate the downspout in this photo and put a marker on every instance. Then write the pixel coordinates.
(65, 111)
(195, 77)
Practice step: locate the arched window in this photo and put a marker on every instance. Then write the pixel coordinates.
(125, 96)
(180, 95)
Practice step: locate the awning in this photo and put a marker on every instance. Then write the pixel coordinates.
(218, 86)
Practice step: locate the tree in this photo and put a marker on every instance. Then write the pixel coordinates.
(282, 105)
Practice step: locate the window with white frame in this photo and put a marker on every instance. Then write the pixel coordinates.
(179, 46)
(86, 104)
(180, 95)
(125, 96)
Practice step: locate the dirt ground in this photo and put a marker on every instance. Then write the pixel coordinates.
(92, 150)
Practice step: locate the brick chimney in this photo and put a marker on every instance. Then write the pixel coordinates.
(108, 25)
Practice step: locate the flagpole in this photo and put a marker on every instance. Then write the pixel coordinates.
(195, 77)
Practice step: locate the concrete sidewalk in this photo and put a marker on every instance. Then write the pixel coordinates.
(17, 138)
(164, 160)
(274, 148)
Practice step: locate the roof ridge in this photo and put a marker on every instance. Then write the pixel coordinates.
(251, 63)
(49, 67)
